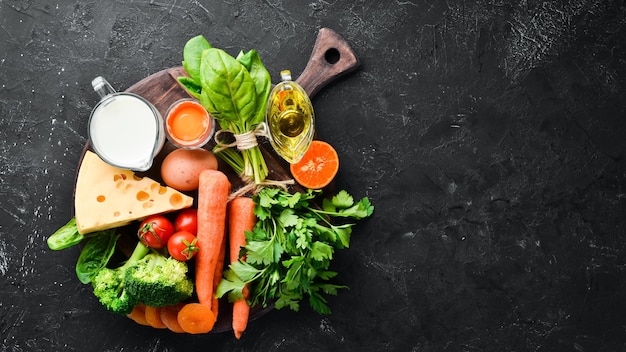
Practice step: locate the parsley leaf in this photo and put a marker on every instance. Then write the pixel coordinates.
(232, 285)
(288, 218)
(289, 252)
(321, 251)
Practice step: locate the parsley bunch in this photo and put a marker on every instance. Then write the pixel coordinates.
(289, 251)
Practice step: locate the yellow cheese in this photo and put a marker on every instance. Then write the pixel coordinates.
(108, 197)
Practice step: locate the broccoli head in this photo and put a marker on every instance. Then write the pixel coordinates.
(109, 288)
(108, 284)
(158, 281)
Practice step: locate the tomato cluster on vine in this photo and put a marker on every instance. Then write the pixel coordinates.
(178, 236)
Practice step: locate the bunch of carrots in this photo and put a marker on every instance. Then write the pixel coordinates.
(216, 216)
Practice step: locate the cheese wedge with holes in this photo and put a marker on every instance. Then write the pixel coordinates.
(108, 197)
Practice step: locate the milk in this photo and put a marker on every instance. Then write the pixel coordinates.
(125, 130)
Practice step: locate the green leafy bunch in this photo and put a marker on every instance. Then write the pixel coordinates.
(235, 91)
(289, 251)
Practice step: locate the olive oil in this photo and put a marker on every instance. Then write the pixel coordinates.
(290, 119)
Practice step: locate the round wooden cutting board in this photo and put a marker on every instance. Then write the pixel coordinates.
(331, 58)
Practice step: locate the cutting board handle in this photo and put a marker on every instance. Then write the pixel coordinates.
(331, 57)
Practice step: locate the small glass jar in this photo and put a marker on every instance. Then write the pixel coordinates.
(188, 124)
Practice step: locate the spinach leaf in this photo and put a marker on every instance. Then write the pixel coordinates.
(191, 86)
(245, 59)
(95, 255)
(65, 237)
(229, 85)
(192, 56)
(207, 102)
(262, 83)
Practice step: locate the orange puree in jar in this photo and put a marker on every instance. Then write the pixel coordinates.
(188, 124)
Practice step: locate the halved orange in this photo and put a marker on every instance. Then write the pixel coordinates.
(318, 167)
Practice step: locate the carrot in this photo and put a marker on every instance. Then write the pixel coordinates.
(153, 317)
(169, 316)
(213, 192)
(138, 314)
(241, 313)
(212, 199)
(196, 318)
(218, 277)
(241, 219)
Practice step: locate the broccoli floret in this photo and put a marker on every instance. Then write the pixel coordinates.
(158, 281)
(108, 284)
(108, 287)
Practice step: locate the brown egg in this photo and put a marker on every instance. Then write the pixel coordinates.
(181, 168)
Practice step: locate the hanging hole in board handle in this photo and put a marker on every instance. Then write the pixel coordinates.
(331, 58)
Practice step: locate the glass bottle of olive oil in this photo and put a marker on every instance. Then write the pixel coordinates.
(290, 119)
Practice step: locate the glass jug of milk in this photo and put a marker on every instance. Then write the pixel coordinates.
(125, 129)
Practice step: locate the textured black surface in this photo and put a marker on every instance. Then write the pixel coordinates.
(490, 135)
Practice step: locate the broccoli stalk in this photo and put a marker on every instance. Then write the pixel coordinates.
(158, 281)
(108, 284)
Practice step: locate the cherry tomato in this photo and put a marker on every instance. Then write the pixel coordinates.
(183, 245)
(155, 231)
(187, 220)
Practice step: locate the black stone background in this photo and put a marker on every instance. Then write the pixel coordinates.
(489, 135)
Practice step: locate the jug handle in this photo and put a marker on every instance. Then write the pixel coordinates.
(102, 87)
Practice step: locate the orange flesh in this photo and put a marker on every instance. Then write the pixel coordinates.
(318, 166)
(188, 121)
